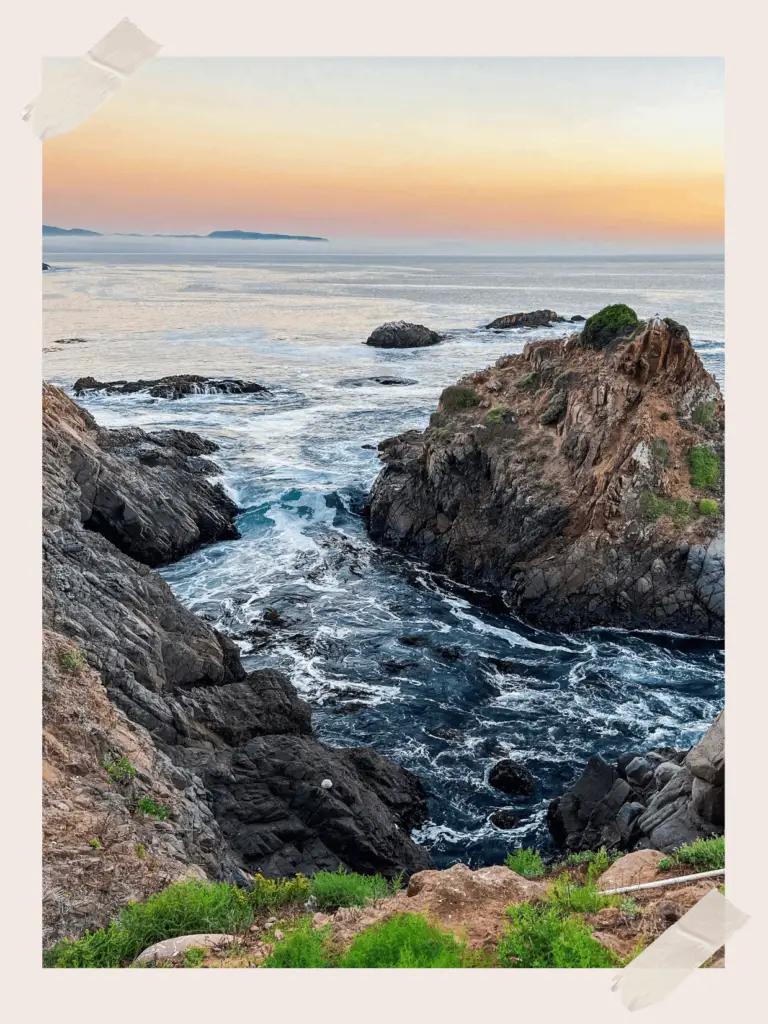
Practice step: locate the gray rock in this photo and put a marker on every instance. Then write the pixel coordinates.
(399, 334)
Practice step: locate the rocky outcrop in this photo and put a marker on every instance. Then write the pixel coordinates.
(582, 486)
(130, 673)
(660, 799)
(537, 318)
(399, 334)
(46, 266)
(173, 387)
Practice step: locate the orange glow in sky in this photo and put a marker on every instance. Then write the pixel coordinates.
(485, 148)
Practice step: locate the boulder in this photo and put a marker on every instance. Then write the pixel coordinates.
(504, 819)
(707, 759)
(509, 777)
(174, 949)
(399, 334)
(632, 869)
(538, 318)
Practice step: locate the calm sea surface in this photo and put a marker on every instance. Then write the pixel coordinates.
(294, 317)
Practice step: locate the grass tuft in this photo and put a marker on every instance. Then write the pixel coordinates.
(541, 937)
(118, 769)
(706, 854)
(457, 397)
(405, 940)
(527, 863)
(72, 660)
(334, 889)
(704, 414)
(194, 956)
(708, 507)
(653, 507)
(304, 946)
(146, 805)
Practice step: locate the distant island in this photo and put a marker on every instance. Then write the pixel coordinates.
(49, 229)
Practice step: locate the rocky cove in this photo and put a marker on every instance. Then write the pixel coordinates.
(231, 752)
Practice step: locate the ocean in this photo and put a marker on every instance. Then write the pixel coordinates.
(474, 685)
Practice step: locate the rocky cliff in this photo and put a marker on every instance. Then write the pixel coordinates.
(162, 756)
(584, 485)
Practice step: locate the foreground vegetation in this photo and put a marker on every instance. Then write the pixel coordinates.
(552, 931)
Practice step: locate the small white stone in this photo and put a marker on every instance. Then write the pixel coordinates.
(326, 784)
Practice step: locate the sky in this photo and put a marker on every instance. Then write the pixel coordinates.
(624, 153)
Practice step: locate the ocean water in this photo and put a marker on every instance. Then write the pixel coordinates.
(388, 653)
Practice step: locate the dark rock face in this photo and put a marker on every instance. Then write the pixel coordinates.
(176, 386)
(504, 819)
(563, 485)
(509, 777)
(538, 318)
(240, 746)
(46, 266)
(398, 334)
(659, 800)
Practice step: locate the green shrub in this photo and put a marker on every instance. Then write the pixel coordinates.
(601, 862)
(457, 397)
(304, 946)
(610, 323)
(72, 660)
(94, 844)
(275, 893)
(527, 380)
(119, 769)
(555, 408)
(704, 414)
(405, 940)
(654, 507)
(664, 416)
(591, 856)
(194, 956)
(140, 850)
(527, 863)
(146, 805)
(704, 465)
(334, 889)
(494, 417)
(660, 451)
(540, 937)
(705, 854)
(436, 419)
(630, 908)
(182, 909)
(708, 507)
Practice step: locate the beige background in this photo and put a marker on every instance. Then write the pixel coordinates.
(397, 27)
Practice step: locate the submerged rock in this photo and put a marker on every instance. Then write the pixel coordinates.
(393, 382)
(511, 778)
(399, 334)
(173, 387)
(678, 801)
(564, 481)
(131, 673)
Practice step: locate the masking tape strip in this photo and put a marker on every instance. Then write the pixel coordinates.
(98, 75)
(692, 940)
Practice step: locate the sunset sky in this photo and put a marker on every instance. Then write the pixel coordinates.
(621, 150)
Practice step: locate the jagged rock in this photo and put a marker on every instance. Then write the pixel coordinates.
(176, 386)
(574, 501)
(231, 754)
(46, 266)
(627, 807)
(538, 318)
(504, 819)
(399, 334)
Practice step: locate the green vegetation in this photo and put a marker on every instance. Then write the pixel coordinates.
(436, 419)
(654, 507)
(664, 416)
(555, 408)
(540, 937)
(457, 397)
(194, 956)
(610, 323)
(566, 897)
(704, 414)
(146, 805)
(71, 660)
(630, 908)
(708, 507)
(602, 856)
(334, 889)
(405, 940)
(660, 451)
(140, 850)
(304, 946)
(275, 893)
(705, 467)
(119, 769)
(94, 844)
(704, 854)
(494, 417)
(182, 909)
(527, 380)
(527, 863)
